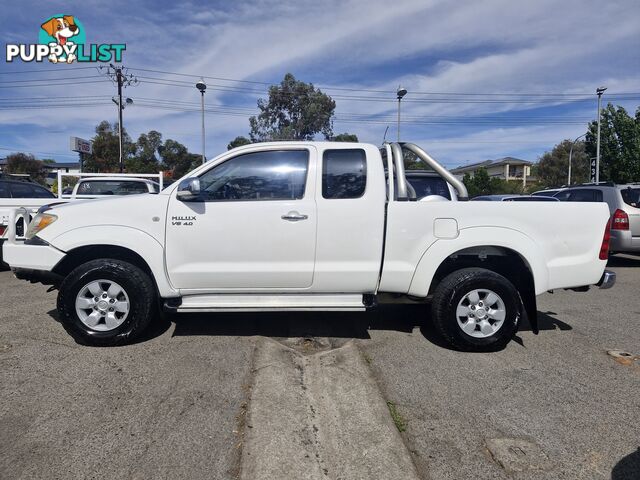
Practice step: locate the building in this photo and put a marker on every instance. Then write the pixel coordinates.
(507, 168)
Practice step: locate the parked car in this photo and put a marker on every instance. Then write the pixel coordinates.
(624, 207)
(310, 226)
(12, 186)
(515, 198)
(92, 187)
(19, 191)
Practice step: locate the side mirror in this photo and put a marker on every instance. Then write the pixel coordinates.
(189, 190)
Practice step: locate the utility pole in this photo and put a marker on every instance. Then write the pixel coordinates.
(120, 77)
(599, 92)
(119, 80)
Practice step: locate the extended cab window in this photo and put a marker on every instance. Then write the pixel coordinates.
(271, 175)
(344, 173)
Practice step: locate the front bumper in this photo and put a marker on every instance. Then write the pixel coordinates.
(608, 279)
(31, 257)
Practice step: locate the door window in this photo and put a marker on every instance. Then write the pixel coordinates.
(269, 175)
(344, 173)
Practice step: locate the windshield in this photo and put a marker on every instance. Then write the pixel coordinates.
(112, 187)
(631, 196)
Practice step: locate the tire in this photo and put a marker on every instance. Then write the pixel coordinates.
(3, 265)
(122, 315)
(463, 317)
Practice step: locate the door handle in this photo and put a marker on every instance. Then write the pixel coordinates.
(294, 217)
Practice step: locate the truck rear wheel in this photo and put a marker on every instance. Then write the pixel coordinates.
(475, 309)
(106, 302)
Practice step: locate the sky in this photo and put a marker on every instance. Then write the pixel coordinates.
(485, 79)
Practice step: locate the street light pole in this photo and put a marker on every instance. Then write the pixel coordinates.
(570, 153)
(401, 93)
(599, 92)
(201, 86)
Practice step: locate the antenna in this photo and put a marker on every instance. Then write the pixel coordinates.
(384, 137)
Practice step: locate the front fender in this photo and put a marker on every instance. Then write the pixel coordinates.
(138, 241)
(514, 240)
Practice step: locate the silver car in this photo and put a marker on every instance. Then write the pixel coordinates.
(624, 205)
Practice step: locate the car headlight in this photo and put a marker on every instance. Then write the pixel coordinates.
(40, 222)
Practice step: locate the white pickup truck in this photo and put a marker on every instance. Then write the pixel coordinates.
(310, 226)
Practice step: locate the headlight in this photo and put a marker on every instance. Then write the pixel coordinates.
(40, 222)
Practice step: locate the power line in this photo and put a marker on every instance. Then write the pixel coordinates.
(53, 86)
(329, 87)
(391, 91)
(454, 98)
(66, 68)
(353, 117)
(40, 80)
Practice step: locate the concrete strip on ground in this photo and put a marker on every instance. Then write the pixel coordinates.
(319, 416)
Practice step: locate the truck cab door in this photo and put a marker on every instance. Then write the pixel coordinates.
(253, 226)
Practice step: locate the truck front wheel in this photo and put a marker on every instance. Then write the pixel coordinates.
(106, 302)
(475, 309)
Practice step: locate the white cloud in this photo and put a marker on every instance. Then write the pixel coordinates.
(466, 46)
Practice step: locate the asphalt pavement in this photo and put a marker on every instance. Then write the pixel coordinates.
(574, 406)
(178, 403)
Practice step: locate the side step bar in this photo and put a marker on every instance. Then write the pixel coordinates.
(270, 303)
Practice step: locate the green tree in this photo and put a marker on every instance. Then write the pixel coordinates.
(482, 184)
(105, 156)
(619, 144)
(345, 137)
(294, 111)
(145, 159)
(553, 167)
(26, 164)
(478, 184)
(238, 142)
(176, 158)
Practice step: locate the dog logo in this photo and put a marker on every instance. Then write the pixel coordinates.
(62, 29)
(62, 39)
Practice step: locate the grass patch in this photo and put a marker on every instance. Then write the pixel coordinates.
(399, 421)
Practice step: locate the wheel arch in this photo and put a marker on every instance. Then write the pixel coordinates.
(123, 243)
(490, 248)
(480, 247)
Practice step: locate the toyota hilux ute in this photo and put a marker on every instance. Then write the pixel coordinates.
(310, 226)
